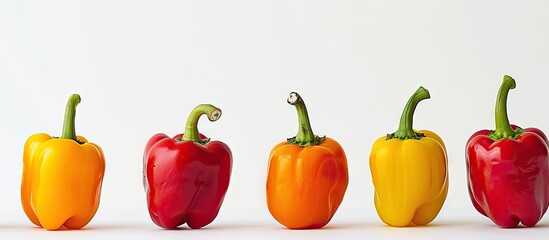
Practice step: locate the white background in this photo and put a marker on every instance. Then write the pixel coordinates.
(141, 66)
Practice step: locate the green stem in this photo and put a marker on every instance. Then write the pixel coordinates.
(405, 128)
(305, 135)
(503, 128)
(191, 127)
(69, 131)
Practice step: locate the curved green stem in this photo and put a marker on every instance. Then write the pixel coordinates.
(305, 135)
(405, 129)
(191, 127)
(503, 128)
(69, 131)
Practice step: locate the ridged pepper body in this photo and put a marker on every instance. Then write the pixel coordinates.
(509, 179)
(185, 181)
(306, 185)
(410, 179)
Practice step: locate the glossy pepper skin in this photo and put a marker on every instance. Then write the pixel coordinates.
(186, 177)
(508, 169)
(307, 176)
(62, 177)
(409, 171)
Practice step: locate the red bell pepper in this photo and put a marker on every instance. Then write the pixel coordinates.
(508, 169)
(186, 177)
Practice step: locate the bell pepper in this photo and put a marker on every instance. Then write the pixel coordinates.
(508, 169)
(186, 177)
(409, 171)
(307, 176)
(62, 177)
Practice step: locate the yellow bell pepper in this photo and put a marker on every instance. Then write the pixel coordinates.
(62, 177)
(409, 171)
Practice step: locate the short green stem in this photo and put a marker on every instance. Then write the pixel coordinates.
(191, 127)
(305, 135)
(69, 131)
(503, 127)
(405, 128)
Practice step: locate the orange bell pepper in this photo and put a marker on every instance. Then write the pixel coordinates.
(307, 176)
(62, 177)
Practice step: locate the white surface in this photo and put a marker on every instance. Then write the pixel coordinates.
(141, 66)
(347, 224)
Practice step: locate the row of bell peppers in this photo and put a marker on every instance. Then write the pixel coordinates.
(186, 176)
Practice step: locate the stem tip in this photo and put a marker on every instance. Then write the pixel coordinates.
(424, 92)
(214, 115)
(509, 80)
(74, 99)
(293, 98)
